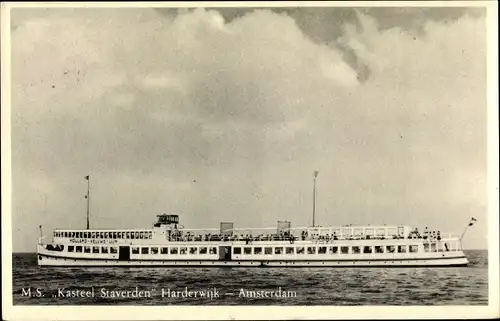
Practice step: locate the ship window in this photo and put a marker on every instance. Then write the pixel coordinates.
(86, 249)
(127, 235)
(426, 247)
(78, 249)
(95, 249)
(257, 250)
(379, 249)
(136, 235)
(150, 234)
(413, 248)
(113, 250)
(289, 250)
(141, 235)
(401, 248)
(183, 250)
(174, 250)
(390, 249)
(135, 250)
(278, 250)
(247, 250)
(55, 234)
(104, 249)
(311, 250)
(367, 249)
(144, 250)
(268, 250)
(300, 250)
(119, 235)
(132, 235)
(213, 250)
(154, 250)
(164, 250)
(237, 250)
(333, 249)
(106, 235)
(356, 250)
(101, 235)
(92, 235)
(193, 250)
(344, 249)
(322, 250)
(114, 235)
(203, 250)
(71, 248)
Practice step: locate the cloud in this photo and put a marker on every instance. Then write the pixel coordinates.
(225, 119)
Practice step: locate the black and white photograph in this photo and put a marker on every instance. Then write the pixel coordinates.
(250, 156)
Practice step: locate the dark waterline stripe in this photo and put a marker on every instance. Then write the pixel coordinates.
(249, 260)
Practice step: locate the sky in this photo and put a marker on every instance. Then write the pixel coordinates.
(223, 114)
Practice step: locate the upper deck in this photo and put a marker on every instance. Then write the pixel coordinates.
(168, 229)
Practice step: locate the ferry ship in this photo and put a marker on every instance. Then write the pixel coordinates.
(167, 243)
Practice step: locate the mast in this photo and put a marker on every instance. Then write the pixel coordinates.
(88, 200)
(314, 197)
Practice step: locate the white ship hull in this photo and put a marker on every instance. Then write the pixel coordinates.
(433, 260)
(168, 246)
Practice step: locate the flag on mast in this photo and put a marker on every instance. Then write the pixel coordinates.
(316, 173)
(472, 221)
(87, 177)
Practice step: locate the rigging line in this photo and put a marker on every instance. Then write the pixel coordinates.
(75, 205)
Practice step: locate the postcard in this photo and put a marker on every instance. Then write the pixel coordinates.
(249, 160)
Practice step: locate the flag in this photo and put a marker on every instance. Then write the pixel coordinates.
(472, 221)
(87, 177)
(316, 173)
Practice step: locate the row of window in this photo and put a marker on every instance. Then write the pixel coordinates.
(146, 235)
(261, 250)
(93, 249)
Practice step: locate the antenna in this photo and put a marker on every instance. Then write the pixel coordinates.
(314, 197)
(88, 200)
